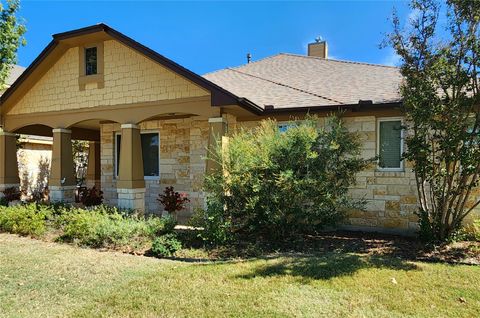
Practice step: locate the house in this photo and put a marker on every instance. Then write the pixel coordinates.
(35, 152)
(149, 121)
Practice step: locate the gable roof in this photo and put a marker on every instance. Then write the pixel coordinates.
(219, 95)
(288, 82)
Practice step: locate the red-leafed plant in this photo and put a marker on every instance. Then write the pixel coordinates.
(173, 201)
(91, 197)
(12, 194)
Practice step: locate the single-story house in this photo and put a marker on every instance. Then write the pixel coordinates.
(150, 121)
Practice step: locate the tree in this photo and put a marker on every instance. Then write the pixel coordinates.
(11, 37)
(441, 99)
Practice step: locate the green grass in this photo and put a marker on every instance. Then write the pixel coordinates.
(39, 279)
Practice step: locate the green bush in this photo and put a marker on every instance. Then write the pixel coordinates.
(166, 245)
(476, 230)
(25, 219)
(275, 185)
(97, 228)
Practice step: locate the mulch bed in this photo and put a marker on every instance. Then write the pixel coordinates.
(396, 246)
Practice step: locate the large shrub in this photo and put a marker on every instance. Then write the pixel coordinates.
(25, 219)
(274, 185)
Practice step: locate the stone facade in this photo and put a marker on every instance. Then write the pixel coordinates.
(183, 144)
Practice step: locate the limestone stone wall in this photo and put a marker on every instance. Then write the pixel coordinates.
(183, 145)
(129, 77)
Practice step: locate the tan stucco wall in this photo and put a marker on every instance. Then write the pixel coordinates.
(183, 144)
(129, 78)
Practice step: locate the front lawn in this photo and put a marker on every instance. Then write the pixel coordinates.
(48, 279)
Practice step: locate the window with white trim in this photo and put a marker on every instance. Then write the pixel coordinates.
(390, 144)
(150, 153)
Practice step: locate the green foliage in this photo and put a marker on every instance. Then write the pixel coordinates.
(11, 37)
(440, 94)
(97, 228)
(476, 230)
(80, 159)
(101, 226)
(275, 185)
(25, 219)
(165, 245)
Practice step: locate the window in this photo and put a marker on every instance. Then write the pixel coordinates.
(283, 127)
(150, 149)
(91, 61)
(390, 144)
(150, 153)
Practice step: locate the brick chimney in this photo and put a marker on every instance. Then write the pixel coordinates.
(319, 48)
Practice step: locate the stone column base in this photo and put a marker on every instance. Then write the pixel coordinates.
(131, 199)
(6, 186)
(62, 194)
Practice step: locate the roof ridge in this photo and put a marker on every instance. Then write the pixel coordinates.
(338, 61)
(242, 65)
(288, 86)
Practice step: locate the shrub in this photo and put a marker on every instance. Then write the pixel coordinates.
(12, 194)
(166, 245)
(172, 201)
(97, 228)
(91, 197)
(274, 185)
(476, 230)
(25, 219)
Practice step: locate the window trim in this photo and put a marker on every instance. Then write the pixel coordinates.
(115, 157)
(98, 78)
(402, 142)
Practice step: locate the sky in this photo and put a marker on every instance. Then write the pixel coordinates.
(211, 35)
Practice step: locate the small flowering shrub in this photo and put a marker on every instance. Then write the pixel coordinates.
(173, 201)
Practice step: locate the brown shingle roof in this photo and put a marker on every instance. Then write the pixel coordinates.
(288, 80)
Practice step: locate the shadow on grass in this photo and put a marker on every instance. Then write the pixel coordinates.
(325, 267)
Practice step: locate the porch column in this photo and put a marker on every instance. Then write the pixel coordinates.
(131, 182)
(93, 168)
(8, 161)
(218, 129)
(62, 182)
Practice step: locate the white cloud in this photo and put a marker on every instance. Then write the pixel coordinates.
(392, 58)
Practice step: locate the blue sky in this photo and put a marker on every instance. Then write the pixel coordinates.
(206, 36)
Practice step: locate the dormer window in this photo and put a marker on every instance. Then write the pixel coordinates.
(91, 61)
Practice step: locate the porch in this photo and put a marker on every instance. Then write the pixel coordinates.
(131, 161)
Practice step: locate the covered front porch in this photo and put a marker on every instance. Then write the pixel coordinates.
(133, 152)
